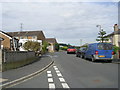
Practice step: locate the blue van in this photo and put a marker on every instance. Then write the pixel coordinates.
(100, 51)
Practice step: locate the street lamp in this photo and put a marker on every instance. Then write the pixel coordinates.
(99, 26)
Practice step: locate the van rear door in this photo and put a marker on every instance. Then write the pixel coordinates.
(105, 50)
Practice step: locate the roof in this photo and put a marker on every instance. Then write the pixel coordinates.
(25, 33)
(51, 40)
(6, 34)
(114, 33)
(40, 34)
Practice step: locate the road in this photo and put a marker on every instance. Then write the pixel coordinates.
(70, 71)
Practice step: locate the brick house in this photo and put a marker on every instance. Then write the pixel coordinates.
(9, 42)
(25, 36)
(52, 42)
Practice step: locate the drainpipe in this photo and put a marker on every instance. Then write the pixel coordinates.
(1, 39)
(14, 44)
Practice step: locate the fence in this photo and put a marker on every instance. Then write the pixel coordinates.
(12, 56)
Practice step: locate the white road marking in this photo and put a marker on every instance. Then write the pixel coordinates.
(48, 71)
(59, 75)
(57, 71)
(49, 75)
(65, 85)
(62, 79)
(51, 86)
(54, 66)
(50, 80)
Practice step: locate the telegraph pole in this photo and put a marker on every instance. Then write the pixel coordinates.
(21, 27)
(81, 42)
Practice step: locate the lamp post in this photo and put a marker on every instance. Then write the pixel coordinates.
(99, 26)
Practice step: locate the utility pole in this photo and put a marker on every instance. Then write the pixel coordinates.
(81, 42)
(21, 27)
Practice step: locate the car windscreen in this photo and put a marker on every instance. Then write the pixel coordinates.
(105, 46)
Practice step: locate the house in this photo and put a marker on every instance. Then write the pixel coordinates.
(114, 37)
(37, 35)
(9, 42)
(52, 42)
(25, 36)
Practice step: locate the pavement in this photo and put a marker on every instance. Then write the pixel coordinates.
(16, 75)
(117, 61)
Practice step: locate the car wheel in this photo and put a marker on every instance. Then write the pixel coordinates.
(81, 56)
(85, 57)
(93, 59)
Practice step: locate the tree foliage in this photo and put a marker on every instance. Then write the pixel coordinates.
(32, 46)
(44, 47)
(116, 49)
(57, 47)
(101, 36)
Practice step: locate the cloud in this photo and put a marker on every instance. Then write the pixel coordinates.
(59, 1)
(0, 16)
(67, 21)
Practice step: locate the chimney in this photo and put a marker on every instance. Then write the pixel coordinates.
(116, 27)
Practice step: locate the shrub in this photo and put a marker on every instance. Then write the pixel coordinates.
(116, 49)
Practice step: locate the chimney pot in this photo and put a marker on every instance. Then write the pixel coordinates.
(116, 27)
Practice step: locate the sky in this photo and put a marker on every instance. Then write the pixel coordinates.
(69, 22)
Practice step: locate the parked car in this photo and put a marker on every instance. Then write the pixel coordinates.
(71, 50)
(100, 51)
(81, 52)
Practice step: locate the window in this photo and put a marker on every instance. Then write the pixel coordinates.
(33, 37)
(105, 46)
(23, 37)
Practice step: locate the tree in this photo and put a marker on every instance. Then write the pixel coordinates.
(44, 47)
(101, 36)
(32, 46)
(56, 46)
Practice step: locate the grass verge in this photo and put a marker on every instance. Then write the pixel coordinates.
(15, 65)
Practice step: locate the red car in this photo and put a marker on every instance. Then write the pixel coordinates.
(71, 50)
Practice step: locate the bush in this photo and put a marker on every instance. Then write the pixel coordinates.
(116, 49)
(64, 48)
(57, 47)
(44, 47)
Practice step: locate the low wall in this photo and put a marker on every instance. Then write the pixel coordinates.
(117, 55)
(12, 56)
